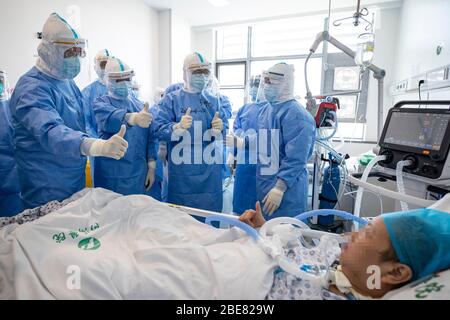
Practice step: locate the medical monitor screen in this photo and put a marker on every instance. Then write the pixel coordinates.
(417, 130)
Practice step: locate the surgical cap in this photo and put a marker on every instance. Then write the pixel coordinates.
(421, 240)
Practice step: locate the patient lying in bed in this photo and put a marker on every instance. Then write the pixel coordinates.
(392, 251)
(135, 247)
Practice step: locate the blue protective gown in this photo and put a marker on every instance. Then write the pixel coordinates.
(127, 175)
(225, 104)
(10, 201)
(174, 87)
(244, 193)
(156, 190)
(297, 133)
(49, 126)
(192, 185)
(93, 91)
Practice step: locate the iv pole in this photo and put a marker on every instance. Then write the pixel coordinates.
(378, 74)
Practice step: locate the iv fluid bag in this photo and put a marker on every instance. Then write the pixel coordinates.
(365, 50)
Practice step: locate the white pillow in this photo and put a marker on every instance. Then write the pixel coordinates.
(436, 287)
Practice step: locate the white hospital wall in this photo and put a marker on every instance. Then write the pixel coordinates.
(384, 57)
(174, 45)
(422, 26)
(129, 29)
(203, 42)
(165, 48)
(181, 44)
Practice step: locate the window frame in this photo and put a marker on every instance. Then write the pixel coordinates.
(249, 59)
(231, 63)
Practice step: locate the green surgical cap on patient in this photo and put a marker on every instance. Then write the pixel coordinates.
(421, 239)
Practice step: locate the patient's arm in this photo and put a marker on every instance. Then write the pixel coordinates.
(253, 218)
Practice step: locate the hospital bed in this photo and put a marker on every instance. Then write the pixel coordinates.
(101, 245)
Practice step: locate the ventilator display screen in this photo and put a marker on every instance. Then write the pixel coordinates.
(417, 130)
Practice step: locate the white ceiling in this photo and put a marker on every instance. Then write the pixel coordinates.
(201, 12)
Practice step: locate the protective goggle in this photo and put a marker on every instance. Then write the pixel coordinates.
(122, 80)
(102, 64)
(205, 72)
(272, 77)
(75, 52)
(70, 42)
(127, 79)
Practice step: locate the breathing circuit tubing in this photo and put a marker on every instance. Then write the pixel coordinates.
(400, 183)
(364, 178)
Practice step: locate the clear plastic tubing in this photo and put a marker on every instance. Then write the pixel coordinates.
(400, 183)
(364, 178)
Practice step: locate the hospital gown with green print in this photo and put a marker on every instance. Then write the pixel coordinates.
(290, 287)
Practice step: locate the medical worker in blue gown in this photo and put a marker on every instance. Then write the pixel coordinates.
(156, 190)
(162, 147)
(135, 172)
(50, 139)
(287, 130)
(95, 90)
(10, 201)
(244, 193)
(192, 181)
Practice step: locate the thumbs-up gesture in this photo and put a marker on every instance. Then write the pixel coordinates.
(253, 218)
(115, 147)
(186, 120)
(216, 123)
(142, 119)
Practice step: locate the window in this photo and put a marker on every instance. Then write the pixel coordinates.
(231, 42)
(285, 37)
(231, 74)
(237, 98)
(232, 78)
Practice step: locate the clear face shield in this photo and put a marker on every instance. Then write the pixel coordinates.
(269, 87)
(99, 67)
(4, 86)
(198, 77)
(253, 88)
(275, 87)
(120, 84)
(212, 91)
(158, 95)
(72, 52)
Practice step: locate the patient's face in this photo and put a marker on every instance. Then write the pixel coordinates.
(367, 248)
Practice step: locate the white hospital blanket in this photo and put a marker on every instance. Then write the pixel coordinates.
(128, 248)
